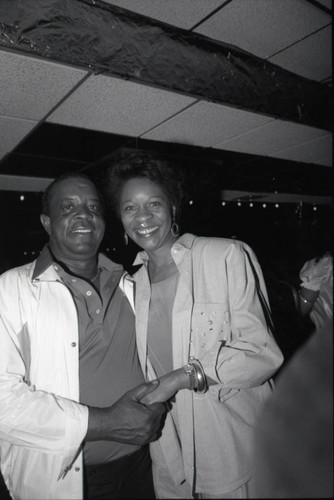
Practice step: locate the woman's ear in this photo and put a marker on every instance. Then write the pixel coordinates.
(173, 211)
(45, 220)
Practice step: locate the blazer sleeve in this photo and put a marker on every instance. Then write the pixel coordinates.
(248, 355)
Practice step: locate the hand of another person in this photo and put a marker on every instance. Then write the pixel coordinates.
(168, 386)
(128, 420)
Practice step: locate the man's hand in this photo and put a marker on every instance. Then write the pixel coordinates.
(128, 420)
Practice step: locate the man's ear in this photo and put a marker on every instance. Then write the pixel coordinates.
(45, 220)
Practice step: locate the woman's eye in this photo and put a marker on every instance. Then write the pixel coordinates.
(155, 203)
(129, 208)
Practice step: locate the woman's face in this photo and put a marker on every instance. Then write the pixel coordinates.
(146, 214)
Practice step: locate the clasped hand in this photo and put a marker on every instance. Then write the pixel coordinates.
(128, 420)
(168, 386)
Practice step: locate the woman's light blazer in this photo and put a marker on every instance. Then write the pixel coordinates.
(220, 317)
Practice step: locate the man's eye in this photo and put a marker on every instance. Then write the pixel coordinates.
(67, 207)
(95, 207)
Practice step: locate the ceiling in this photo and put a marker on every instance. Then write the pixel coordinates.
(59, 112)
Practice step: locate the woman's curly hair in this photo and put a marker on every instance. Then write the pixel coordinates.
(152, 166)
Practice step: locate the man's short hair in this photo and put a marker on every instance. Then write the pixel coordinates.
(47, 195)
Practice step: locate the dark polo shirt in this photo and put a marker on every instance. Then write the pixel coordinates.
(108, 360)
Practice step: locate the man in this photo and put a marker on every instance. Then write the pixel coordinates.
(67, 336)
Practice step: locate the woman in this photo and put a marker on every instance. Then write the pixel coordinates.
(201, 320)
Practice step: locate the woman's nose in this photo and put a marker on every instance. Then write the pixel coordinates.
(143, 215)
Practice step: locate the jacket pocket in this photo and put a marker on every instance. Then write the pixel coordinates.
(210, 327)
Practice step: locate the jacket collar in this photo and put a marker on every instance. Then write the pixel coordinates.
(180, 248)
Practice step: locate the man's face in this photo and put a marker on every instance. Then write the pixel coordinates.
(75, 223)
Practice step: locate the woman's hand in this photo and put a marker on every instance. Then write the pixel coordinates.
(169, 385)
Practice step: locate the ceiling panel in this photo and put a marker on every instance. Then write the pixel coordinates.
(118, 106)
(205, 124)
(264, 27)
(318, 151)
(297, 58)
(184, 14)
(30, 88)
(326, 3)
(23, 183)
(273, 137)
(13, 130)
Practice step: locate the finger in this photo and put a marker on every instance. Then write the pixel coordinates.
(143, 389)
(158, 408)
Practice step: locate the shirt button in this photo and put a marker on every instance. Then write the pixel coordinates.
(98, 311)
(74, 280)
(56, 268)
(73, 344)
(77, 469)
(88, 293)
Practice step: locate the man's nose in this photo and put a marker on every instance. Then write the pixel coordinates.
(83, 212)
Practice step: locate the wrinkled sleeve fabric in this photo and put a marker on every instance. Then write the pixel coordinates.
(30, 418)
(250, 355)
(314, 272)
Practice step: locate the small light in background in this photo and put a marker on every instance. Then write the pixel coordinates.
(223, 203)
(251, 204)
(191, 202)
(276, 205)
(22, 197)
(315, 208)
(239, 203)
(264, 205)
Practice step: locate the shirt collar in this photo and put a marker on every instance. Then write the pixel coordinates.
(45, 260)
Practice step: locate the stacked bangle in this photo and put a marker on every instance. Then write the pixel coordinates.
(196, 375)
(305, 300)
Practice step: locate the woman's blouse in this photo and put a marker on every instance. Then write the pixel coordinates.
(159, 333)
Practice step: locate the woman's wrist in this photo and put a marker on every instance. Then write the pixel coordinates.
(196, 376)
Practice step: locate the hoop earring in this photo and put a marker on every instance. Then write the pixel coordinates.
(126, 239)
(175, 229)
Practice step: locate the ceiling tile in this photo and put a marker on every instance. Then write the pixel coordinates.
(13, 130)
(263, 27)
(22, 183)
(272, 137)
(310, 58)
(317, 151)
(205, 124)
(326, 3)
(2, 154)
(183, 14)
(118, 106)
(30, 88)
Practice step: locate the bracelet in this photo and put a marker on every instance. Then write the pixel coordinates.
(189, 369)
(201, 385)
(305, 300)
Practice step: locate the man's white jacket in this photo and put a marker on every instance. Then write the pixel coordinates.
(42, 425)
